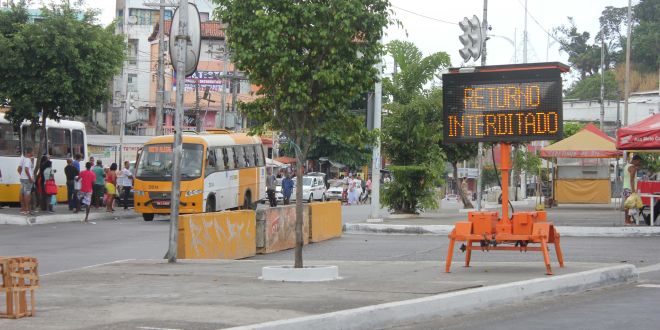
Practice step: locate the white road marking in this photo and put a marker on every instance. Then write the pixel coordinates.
(68, 270)
(657, 286)
(647, 269)
(150, 328)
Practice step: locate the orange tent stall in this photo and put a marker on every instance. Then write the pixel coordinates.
(583, 174)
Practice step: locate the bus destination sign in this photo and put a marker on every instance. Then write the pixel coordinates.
(502, 106)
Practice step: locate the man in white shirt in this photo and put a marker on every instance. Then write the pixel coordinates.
(26, 169)
(126, 182)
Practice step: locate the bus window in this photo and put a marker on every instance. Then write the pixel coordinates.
(230, 162)
(10, 143)
(156, 162)
(59, 142)
(28, 142)
(192, 160)
(78, 143)
(210, 161)
(260, 156)
(240, 156)
(249, 155)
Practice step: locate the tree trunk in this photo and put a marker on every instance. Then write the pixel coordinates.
(466, 203)
(299, 212)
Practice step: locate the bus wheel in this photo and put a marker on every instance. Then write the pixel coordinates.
(147, 216)
(246, 202)
(210, 204)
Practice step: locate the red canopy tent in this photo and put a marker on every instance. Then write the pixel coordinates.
(642, 135)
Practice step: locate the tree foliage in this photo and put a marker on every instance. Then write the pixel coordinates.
(589, 87)
(311, 59)
(456, 153)
(410, 141)
(416, 71)
(60, 65)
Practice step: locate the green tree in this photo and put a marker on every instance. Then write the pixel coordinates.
(410, 141)
(589, 87)
(645, 41)
(416, 71)
(311, 59)
(330, 144)
(59, 66)
(582, 56)
(412, 128)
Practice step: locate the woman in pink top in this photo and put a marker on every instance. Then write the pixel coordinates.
(366, 196)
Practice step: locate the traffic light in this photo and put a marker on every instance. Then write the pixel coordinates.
(471, 39)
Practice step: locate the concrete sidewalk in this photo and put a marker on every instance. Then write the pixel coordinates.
(595, 220)
(11, 216)
(210, 294)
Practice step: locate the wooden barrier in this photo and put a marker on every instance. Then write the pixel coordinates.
(324, 221)
(276, 228)
(217, 235)
(18, 275)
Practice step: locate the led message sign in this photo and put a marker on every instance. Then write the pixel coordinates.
(523, 105)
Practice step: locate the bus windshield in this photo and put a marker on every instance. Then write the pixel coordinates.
(156, 162)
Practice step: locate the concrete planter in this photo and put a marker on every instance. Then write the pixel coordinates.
(317, 273)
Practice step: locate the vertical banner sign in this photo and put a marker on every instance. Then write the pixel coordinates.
(523, 105)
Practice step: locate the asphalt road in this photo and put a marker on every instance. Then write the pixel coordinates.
(67, 246)
(631, 306)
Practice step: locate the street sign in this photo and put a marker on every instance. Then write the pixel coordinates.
(508, 104)
(194, 39)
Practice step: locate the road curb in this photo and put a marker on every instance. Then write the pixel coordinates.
(565, 231)
(20, 220)
(457, 303)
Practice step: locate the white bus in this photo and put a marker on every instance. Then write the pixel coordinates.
(65, 139)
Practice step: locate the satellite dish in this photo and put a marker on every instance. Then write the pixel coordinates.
(195, 43)
(132, 19)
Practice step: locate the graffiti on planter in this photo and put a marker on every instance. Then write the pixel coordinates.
(211, 238)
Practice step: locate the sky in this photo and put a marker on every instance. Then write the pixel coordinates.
(506, 17)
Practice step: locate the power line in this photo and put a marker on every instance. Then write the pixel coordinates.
(420, 15)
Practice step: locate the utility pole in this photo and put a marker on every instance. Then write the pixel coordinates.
(224, 85)
(198, 111)
(376, 161)
(234, 95)
(481, 144)
(602, 80)
(182, 38)
(625, 107)
(161, 70)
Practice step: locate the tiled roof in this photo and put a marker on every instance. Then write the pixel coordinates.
(210, 30)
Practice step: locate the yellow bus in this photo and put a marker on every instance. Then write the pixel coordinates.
(220, 171)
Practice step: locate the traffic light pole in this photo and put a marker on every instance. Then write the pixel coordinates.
(484, 24)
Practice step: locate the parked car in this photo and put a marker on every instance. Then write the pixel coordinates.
(313, 189)
(319, 174)
(337, 188)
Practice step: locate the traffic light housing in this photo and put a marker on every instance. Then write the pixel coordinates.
(472, 38)
(131, 102)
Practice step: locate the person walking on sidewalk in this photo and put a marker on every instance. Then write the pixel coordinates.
(40, 182)
(99, 185)
(71, 173)
(49, 174)
(271, 183)
(630, 183)
(126, 182)
(111, 186)
(26, 169)
(287, 188)
(352, 190)
(87, 179)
